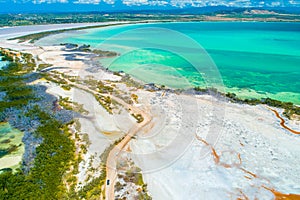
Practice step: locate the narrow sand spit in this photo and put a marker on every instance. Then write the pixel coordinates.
(11, 32)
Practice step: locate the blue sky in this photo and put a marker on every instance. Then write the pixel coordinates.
(15, 6)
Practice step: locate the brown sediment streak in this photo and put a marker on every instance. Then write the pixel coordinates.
(277, 195)
(248, 172)
(200, 139)
(214, 153)
(281, 196)
(239, 157)
(244, 197)
(282, 122)
(217, 156)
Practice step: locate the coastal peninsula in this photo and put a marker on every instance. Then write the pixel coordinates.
(91, 133)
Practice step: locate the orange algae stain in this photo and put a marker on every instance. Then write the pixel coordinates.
(240, 159)
(281, 196)
(243, 196)
(282, 122)
(277, 195)
(217, 157)
(248, 172)
(201, 140)
(247, 177)
(214, 153)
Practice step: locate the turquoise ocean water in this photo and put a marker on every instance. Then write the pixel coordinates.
(254, 59)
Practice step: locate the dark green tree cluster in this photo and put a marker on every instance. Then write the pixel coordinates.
(44, 180)
(17, 93)
(53, 155)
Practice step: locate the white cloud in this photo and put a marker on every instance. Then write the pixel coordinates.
(109, 1)
(87, 2)
(176, 3)
(74, 1)
(135, 2)
(184, 3)
(158, 3)
(201, 3)
(49, 1)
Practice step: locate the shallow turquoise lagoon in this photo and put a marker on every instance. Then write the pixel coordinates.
(254, 59)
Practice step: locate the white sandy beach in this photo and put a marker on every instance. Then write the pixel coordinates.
(247, 151)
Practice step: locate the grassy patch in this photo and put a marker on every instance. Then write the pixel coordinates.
(139, 118)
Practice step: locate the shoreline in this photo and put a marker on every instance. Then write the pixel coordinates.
(196, 91)
(242, 94)
(211, 91)
(247, 131)
(13, 31)
(82, 26)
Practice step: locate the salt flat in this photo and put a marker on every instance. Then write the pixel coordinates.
(254, 152)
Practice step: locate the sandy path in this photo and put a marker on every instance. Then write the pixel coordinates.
(111, 163)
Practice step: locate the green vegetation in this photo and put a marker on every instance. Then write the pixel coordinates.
(54, 169)
(43, 66)
(105, 102)
(61, 18)
(102, 53)
(139, 118)
(289, 108)
(66, 87)
(53, 155)
(6, 141)
(6, 58)
(104, 89)
(132, 175)
(17, 94)
(53, 158)
(117, 73)
(93, 189)
(55, 78)
(74, 106)
(135, 98)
